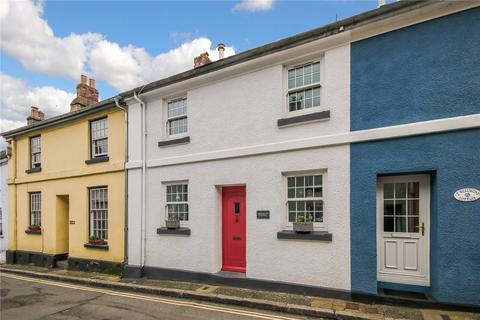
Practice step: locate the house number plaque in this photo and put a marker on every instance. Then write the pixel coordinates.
(467, 194)
(263, 214)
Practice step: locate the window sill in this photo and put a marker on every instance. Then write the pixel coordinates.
(166, 143)
(28, 231)
(313, 236)
(32, 170)
(304, 118)
(96, 160)
(96, 246)
(180, 231)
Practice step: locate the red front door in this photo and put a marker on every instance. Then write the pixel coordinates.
(234, 226)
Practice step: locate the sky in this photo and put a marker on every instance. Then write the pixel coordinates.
(46, 45)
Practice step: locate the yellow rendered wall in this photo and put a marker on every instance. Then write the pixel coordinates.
(64, 173)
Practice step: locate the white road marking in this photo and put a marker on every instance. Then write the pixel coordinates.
(153, 299)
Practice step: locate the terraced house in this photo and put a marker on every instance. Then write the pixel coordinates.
(66, 185)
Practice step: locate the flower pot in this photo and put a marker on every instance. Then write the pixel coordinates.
(303, 227)
(172, 224)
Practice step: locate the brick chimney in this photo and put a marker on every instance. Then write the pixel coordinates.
(35, 115)
(201, 60)
(86, 94)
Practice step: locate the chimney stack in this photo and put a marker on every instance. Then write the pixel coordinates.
(35, 115)
(221, 50)
(201, 60)
(380, 3)
(86, 94)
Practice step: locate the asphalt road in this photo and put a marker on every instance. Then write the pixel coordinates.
(25, 298)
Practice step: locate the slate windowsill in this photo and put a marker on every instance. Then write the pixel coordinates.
(32, 170)
(313, 236)
(96, 160)
(173, 142)
(309, 117)
(96, 246)
(28, 231)
(179, 231)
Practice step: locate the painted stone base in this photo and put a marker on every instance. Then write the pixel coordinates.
(132, 272)
(95, 265)
(35, 258)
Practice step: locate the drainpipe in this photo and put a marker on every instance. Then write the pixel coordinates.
(144, 156)
(125, 229)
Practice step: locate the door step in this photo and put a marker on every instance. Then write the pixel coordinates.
(404, 294)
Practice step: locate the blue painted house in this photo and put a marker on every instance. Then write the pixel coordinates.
(415, 89)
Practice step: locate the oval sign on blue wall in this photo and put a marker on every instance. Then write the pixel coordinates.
(467, 194)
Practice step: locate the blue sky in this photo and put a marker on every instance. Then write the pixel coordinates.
(130, 39)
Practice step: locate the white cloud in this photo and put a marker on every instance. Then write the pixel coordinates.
(28, 37)
(254, 5)
(16, 97)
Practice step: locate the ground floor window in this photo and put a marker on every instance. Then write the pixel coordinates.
(35, 209)
(177, 202)
(305, 198)
(98, 199)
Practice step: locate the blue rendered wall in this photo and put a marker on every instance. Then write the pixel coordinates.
(453, 159)
(427, 71)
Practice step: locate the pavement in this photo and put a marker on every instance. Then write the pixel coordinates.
(151, 305)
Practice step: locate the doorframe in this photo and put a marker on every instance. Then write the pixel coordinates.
(424, 179)
(232, 269)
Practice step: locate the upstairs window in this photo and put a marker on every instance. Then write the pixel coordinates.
(177, 202)
(305, 198)
(99, 138)
(304, 87)
(177, 116)
(35, 208)
(35, 152)
(99, 212)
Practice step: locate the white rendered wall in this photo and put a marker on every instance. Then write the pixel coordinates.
(235, 112)
(4, 206)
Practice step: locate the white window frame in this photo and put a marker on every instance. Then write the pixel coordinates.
(316, 225)
(318, 59)
(177, 117)
(35, 205)
(172, 183)
(93, 140)
(92, 230)
(33, 163)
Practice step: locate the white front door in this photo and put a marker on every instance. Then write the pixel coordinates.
(403, 216)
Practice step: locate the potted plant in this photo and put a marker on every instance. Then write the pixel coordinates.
(34, 228)
(303, 224)
(96, 240)
(172, 222)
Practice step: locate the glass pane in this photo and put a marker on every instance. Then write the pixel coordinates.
(388, 208)
(291, 73)
(316, 102)
(308, 103)
(318, 180)
(316, 67)
(300, 193)
(318, 217)
(300, 205)
(318, 192)
(413, 207)
(309, 180)
(300, 181)
(400, 190)
(400, 207)
(309, 207)
(413, 190)
(413, 224)
(291, 193)
(315, 77)
(291, 216)
(291, 182)
(291, 206)
(319, 205)
(400, 224)
(291, 83)
(309, 192)
(299, 81)
(388, 224)
(388, 191)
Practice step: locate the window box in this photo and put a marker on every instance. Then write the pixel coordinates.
(98, 242)
(304, 118)
(172, 142)
(312, 236)
(172, 224)
(303, 227)
(34, 230)
(96, 160)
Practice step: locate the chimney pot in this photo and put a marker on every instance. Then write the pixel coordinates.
(201, 60)
(221, 50)
(92, 83)
(83, 79)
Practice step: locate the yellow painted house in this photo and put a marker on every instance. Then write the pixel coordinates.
(67, 186)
